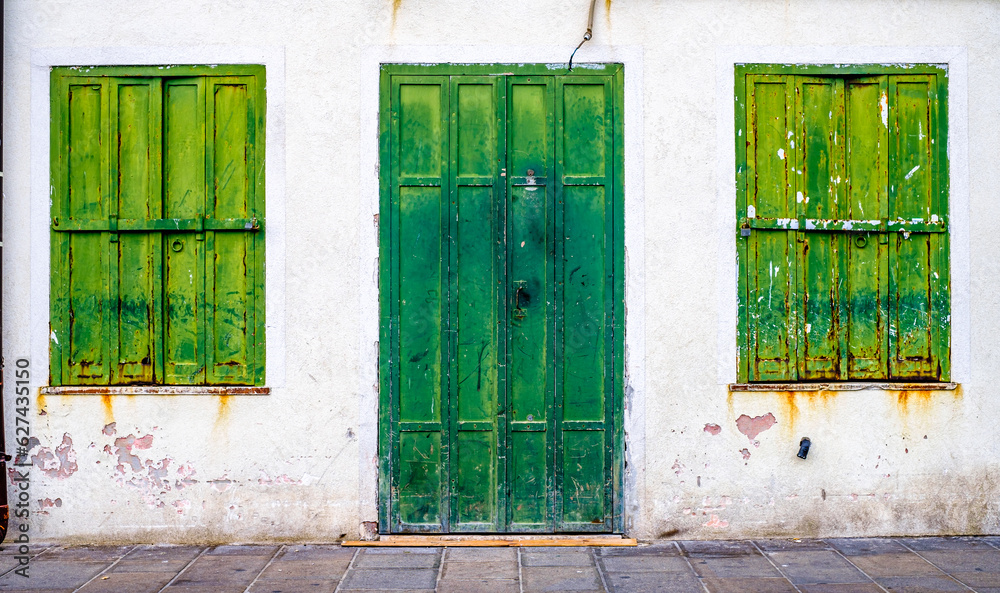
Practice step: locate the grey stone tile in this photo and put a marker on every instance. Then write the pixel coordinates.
(310, 585)
(179, 553)
(817, 566)
(661, 548)
(722, 548)
(481, 555)
(978, 580)
(316, 552)
(397, 561)
(865, 546)
(479, 570)
(290, 569)
(792, 545)
(842, 588)
(920, 584)
(756, 567)
(86, 553)
(645, 564)
(244, 550)
(748, 585)
(386, 591)
(654, 582)
(133, 582)
(52, 574)
(567, 557)
(945, 544)
(391, 578)
(218, 588)
(478, 586)
(222, 570)
(965, 561)
(906, 564)
(394, 550)
(163, 566)
(560, 578)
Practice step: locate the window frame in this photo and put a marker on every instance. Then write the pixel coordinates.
(256, 336)
(941, 202)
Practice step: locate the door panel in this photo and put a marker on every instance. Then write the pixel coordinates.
(499, 303)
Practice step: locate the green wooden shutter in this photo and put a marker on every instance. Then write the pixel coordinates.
(80, 295)
(865, 204)
(770, 304)
(157, 256)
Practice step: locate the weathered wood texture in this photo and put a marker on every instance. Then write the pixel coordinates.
(157, 247)
(501, 310)
(843, 224)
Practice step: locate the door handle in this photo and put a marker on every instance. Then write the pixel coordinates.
(518, 312)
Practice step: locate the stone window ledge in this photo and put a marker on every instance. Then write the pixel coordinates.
(155, 390)
(847, 386)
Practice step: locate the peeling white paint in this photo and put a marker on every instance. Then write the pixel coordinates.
(883, 108)
(912, 171)
(781, 153)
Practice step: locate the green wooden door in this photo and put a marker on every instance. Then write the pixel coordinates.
(502, 301)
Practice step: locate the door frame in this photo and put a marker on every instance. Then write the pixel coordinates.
(385, 224)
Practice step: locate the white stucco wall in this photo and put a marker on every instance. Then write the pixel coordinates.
(301, 463)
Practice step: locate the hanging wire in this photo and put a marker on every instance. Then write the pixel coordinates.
(586, 36)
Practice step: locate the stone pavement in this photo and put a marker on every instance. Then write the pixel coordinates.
(914, 565)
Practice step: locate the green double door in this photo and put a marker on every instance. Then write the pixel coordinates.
(502, 306)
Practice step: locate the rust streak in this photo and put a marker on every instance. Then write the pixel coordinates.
(109, 412)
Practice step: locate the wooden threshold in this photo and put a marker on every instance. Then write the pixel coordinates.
(492, 541)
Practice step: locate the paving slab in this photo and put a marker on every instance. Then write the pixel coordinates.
(894, 565)
(867, 546)
(970, 560)
(286, 569)
(792, 545)
(748, 585)
(390, 578)
(568, 557)
(480, 570)
(723, 548)
(479, 586)
(366, 560)
(52, 574)
(841, 588)
(654, 582)
(945, 544)
(816, 567)
(133, 582)
(481, 555)
(645, 564)
(311, 585)
(921, 584)
(560, 578)
(665, 548)
(222, 570)
(735, 567)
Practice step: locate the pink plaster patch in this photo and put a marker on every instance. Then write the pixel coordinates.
(746, 454)
(714, 521)
(59, 463)
(754, 426)
(713, 429)
(109, 429)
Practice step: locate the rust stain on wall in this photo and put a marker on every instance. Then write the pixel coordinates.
(109, 412)
(40, 404)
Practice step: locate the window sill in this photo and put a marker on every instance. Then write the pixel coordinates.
(155, 390)
(888, 386)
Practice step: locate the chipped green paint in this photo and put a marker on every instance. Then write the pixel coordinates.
(157, 218)
(842, 180)
(502, 299)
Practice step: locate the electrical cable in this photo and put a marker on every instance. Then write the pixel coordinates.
(586, 36)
